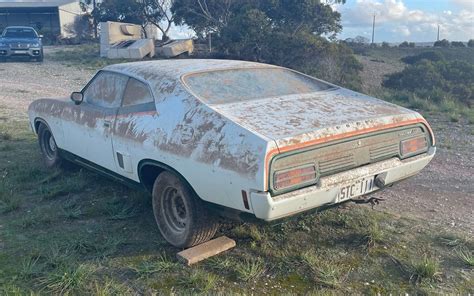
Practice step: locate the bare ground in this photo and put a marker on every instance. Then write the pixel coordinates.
(443, 193)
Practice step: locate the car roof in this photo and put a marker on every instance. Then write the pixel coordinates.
(153, 71)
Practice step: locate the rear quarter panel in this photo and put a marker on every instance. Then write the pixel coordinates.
(218, 157)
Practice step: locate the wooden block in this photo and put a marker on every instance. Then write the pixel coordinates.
(206, 250)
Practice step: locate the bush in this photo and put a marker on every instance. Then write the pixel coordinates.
(457, 44)
(470, 43)
(436, 81)
(433, 56)
(385, 44)
(442, 43)
(404, 44)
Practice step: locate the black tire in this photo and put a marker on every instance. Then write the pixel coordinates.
(40, 58)
(181, 216)
(48, 147)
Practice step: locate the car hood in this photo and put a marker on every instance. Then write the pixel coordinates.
(314, 117)
(21, 40)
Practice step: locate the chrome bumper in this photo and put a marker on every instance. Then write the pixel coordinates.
(326, 191)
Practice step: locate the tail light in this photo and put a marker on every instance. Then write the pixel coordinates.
(412, 146)
(293, 177)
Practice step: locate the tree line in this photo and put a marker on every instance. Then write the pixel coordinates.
(300, 34)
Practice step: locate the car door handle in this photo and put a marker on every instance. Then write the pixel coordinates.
(107, 124)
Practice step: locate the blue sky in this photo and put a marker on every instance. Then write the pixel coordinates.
(410, 20)
(399, 20)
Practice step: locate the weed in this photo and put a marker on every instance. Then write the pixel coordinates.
(9, 203)
(465, 256)
(66, 279)
(150, 266)
(454, 117)
(249, 269)
(30, 268)
(326, 273)
(109, 287)
(255, 233)
(373, 235)
(426, 268)
(199, 280)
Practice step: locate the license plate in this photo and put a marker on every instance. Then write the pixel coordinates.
(357, 188)
(18, 51)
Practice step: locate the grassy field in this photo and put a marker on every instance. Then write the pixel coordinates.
(74, 232)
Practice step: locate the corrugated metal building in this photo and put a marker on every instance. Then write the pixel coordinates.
(47, 16)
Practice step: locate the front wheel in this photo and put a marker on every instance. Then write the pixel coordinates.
(181, 216)
(48, 147)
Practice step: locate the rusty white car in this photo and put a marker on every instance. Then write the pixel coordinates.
(210, 138)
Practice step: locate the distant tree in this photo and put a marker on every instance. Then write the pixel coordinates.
(442, 43)
(297, 34)
(128, 11)
(404, 44)
(81, 28)
(432, 56)
(470, 43)
(385, 44)
(411, 44)
(158, 13)
(458, 44)
(361, 40)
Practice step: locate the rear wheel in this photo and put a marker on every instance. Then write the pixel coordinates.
(181, 216)
(48, 147)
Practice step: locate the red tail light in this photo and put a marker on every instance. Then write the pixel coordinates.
(414, 145)
(292, 177)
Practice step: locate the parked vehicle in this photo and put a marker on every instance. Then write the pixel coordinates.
(211, 138)
(20, 41)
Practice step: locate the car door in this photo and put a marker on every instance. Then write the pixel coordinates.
(89, 133)
(134, 119)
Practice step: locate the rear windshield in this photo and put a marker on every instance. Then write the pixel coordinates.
(227, 86)
(20, 33)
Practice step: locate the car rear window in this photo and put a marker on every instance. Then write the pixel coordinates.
(20, 33)
(228, 86)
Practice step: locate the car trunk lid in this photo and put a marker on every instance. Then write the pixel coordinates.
(301, 120)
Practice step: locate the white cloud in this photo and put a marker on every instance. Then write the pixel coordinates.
(396, 22)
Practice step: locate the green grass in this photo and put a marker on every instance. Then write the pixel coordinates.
(426, 268)
(74, 232)
(85, 56)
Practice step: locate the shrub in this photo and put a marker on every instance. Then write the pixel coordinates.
(436, 81)
(470, 43)
(404, 44)
(442, 43)
(457, 44)
(433, 56)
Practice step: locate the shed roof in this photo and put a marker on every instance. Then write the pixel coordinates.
(33, 3)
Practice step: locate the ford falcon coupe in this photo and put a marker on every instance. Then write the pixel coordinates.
(221, 138)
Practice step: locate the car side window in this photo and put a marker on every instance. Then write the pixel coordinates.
(105, 90)
(136, 93)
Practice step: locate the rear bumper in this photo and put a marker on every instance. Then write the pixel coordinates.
(30, 52)
(270, 208)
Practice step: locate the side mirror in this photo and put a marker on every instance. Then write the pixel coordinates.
(77, 97)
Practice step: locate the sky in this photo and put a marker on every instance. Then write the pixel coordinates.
(399, 20)
(408, 20)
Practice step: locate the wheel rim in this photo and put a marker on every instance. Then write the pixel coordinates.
(174, 210)
(49, 145)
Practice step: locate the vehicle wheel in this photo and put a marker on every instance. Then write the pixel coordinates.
(181, 216)
(48, 147)
(40, 58)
